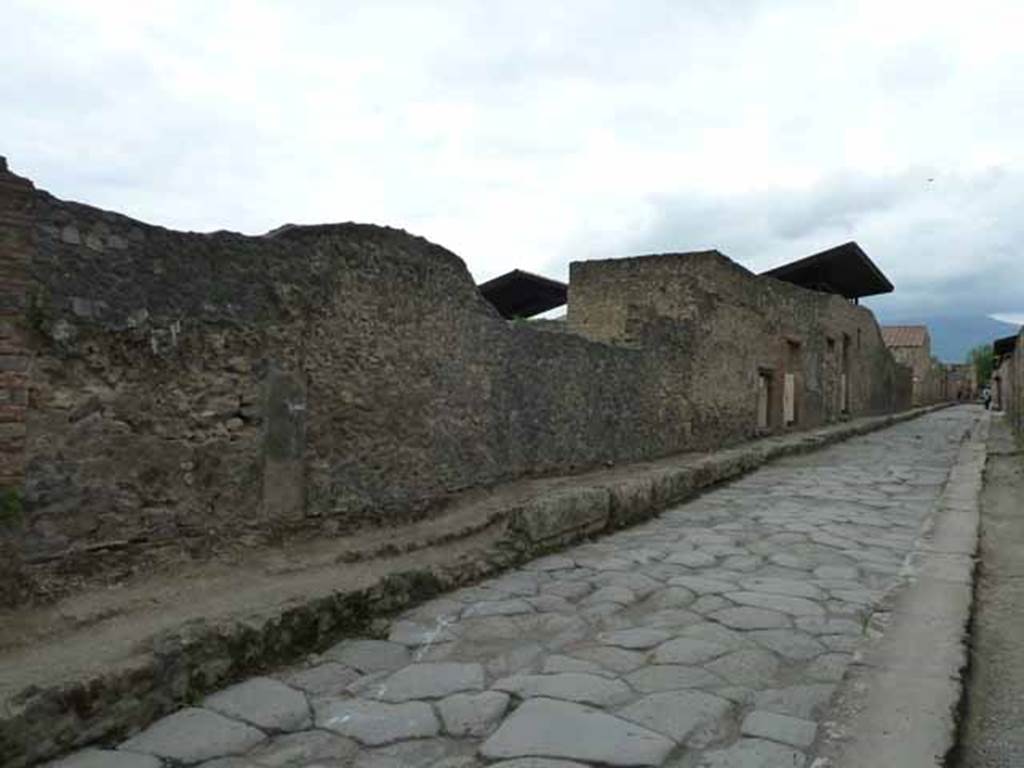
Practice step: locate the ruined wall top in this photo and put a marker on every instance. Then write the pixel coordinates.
(104, 271)
(609, 297)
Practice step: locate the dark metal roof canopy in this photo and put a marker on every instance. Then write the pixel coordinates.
(844, 269)
(1004, 346)
(524, 294)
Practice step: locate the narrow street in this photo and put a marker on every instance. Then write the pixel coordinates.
(993, 733)
(713, 635)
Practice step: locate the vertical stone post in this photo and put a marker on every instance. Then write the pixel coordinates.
(16, 195)
(284, 492)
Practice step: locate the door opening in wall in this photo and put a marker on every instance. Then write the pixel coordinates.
(844, 378)
(790, 395)
(764, 399)
(830, 375)
(789, 399)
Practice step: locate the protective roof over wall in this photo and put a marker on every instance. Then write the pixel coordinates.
(523, 294)
(1004, 346)
(844, 269)
(905, 335)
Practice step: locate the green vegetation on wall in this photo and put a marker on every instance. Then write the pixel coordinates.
(982, 358)
(10, 508)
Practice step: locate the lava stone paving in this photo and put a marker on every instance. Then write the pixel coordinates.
(712, 636)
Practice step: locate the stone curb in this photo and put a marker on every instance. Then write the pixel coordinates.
(182, 666)
(899, 704)
(556, 519)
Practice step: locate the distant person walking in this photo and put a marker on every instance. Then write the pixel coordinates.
(986, 397)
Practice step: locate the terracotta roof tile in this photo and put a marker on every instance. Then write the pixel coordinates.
(905, 335)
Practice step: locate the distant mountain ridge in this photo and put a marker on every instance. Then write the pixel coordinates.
(952, 336)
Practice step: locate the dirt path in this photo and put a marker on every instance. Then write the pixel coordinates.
(993, 733)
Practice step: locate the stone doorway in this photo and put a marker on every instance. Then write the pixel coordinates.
(764, 398)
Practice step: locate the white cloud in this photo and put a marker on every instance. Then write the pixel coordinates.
(532, 133)
(1014, 319)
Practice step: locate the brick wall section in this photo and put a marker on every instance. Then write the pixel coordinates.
(16, 195)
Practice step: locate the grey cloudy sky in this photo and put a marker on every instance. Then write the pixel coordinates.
(534, 133)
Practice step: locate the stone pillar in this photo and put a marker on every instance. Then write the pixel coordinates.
(284, 492)
(16, 194)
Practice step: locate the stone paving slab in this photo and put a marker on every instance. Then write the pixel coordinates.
(264, 703)
(467, 714)
(106, 758)
(316, 747)
(326, 678)
(754, 753)
(192, 735)
(678, 714)
(369, 655)
(545, 727)
(431, 680)
(374, 723)
(782, 728)
(644, 657)
(568, 686)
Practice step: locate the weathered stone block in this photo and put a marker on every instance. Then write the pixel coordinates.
(265, 703)
(192, 735)
(559, 729)
(631, 501)
(374, 723)
(432, 680)
(574, 512)
(466, 714)
(681, 715)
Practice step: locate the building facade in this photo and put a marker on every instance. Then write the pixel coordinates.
(1008, 379)
(180, 396)
(761, 355)
(912, 346)
(962, 382)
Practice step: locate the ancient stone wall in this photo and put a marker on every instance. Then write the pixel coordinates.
(15, 255)
(931, 383)
(935, 386)
(736, 327)
(193, 395)
(16, 195)
(1017, 387)
(960, 381)
(198, 394)
(1008, 385)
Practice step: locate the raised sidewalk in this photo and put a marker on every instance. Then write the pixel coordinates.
(900, 703)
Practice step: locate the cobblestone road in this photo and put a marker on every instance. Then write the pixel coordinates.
(711, 636)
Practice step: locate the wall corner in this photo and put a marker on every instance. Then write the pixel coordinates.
(16, 245)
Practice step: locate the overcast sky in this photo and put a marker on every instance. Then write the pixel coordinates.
(528, 134)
